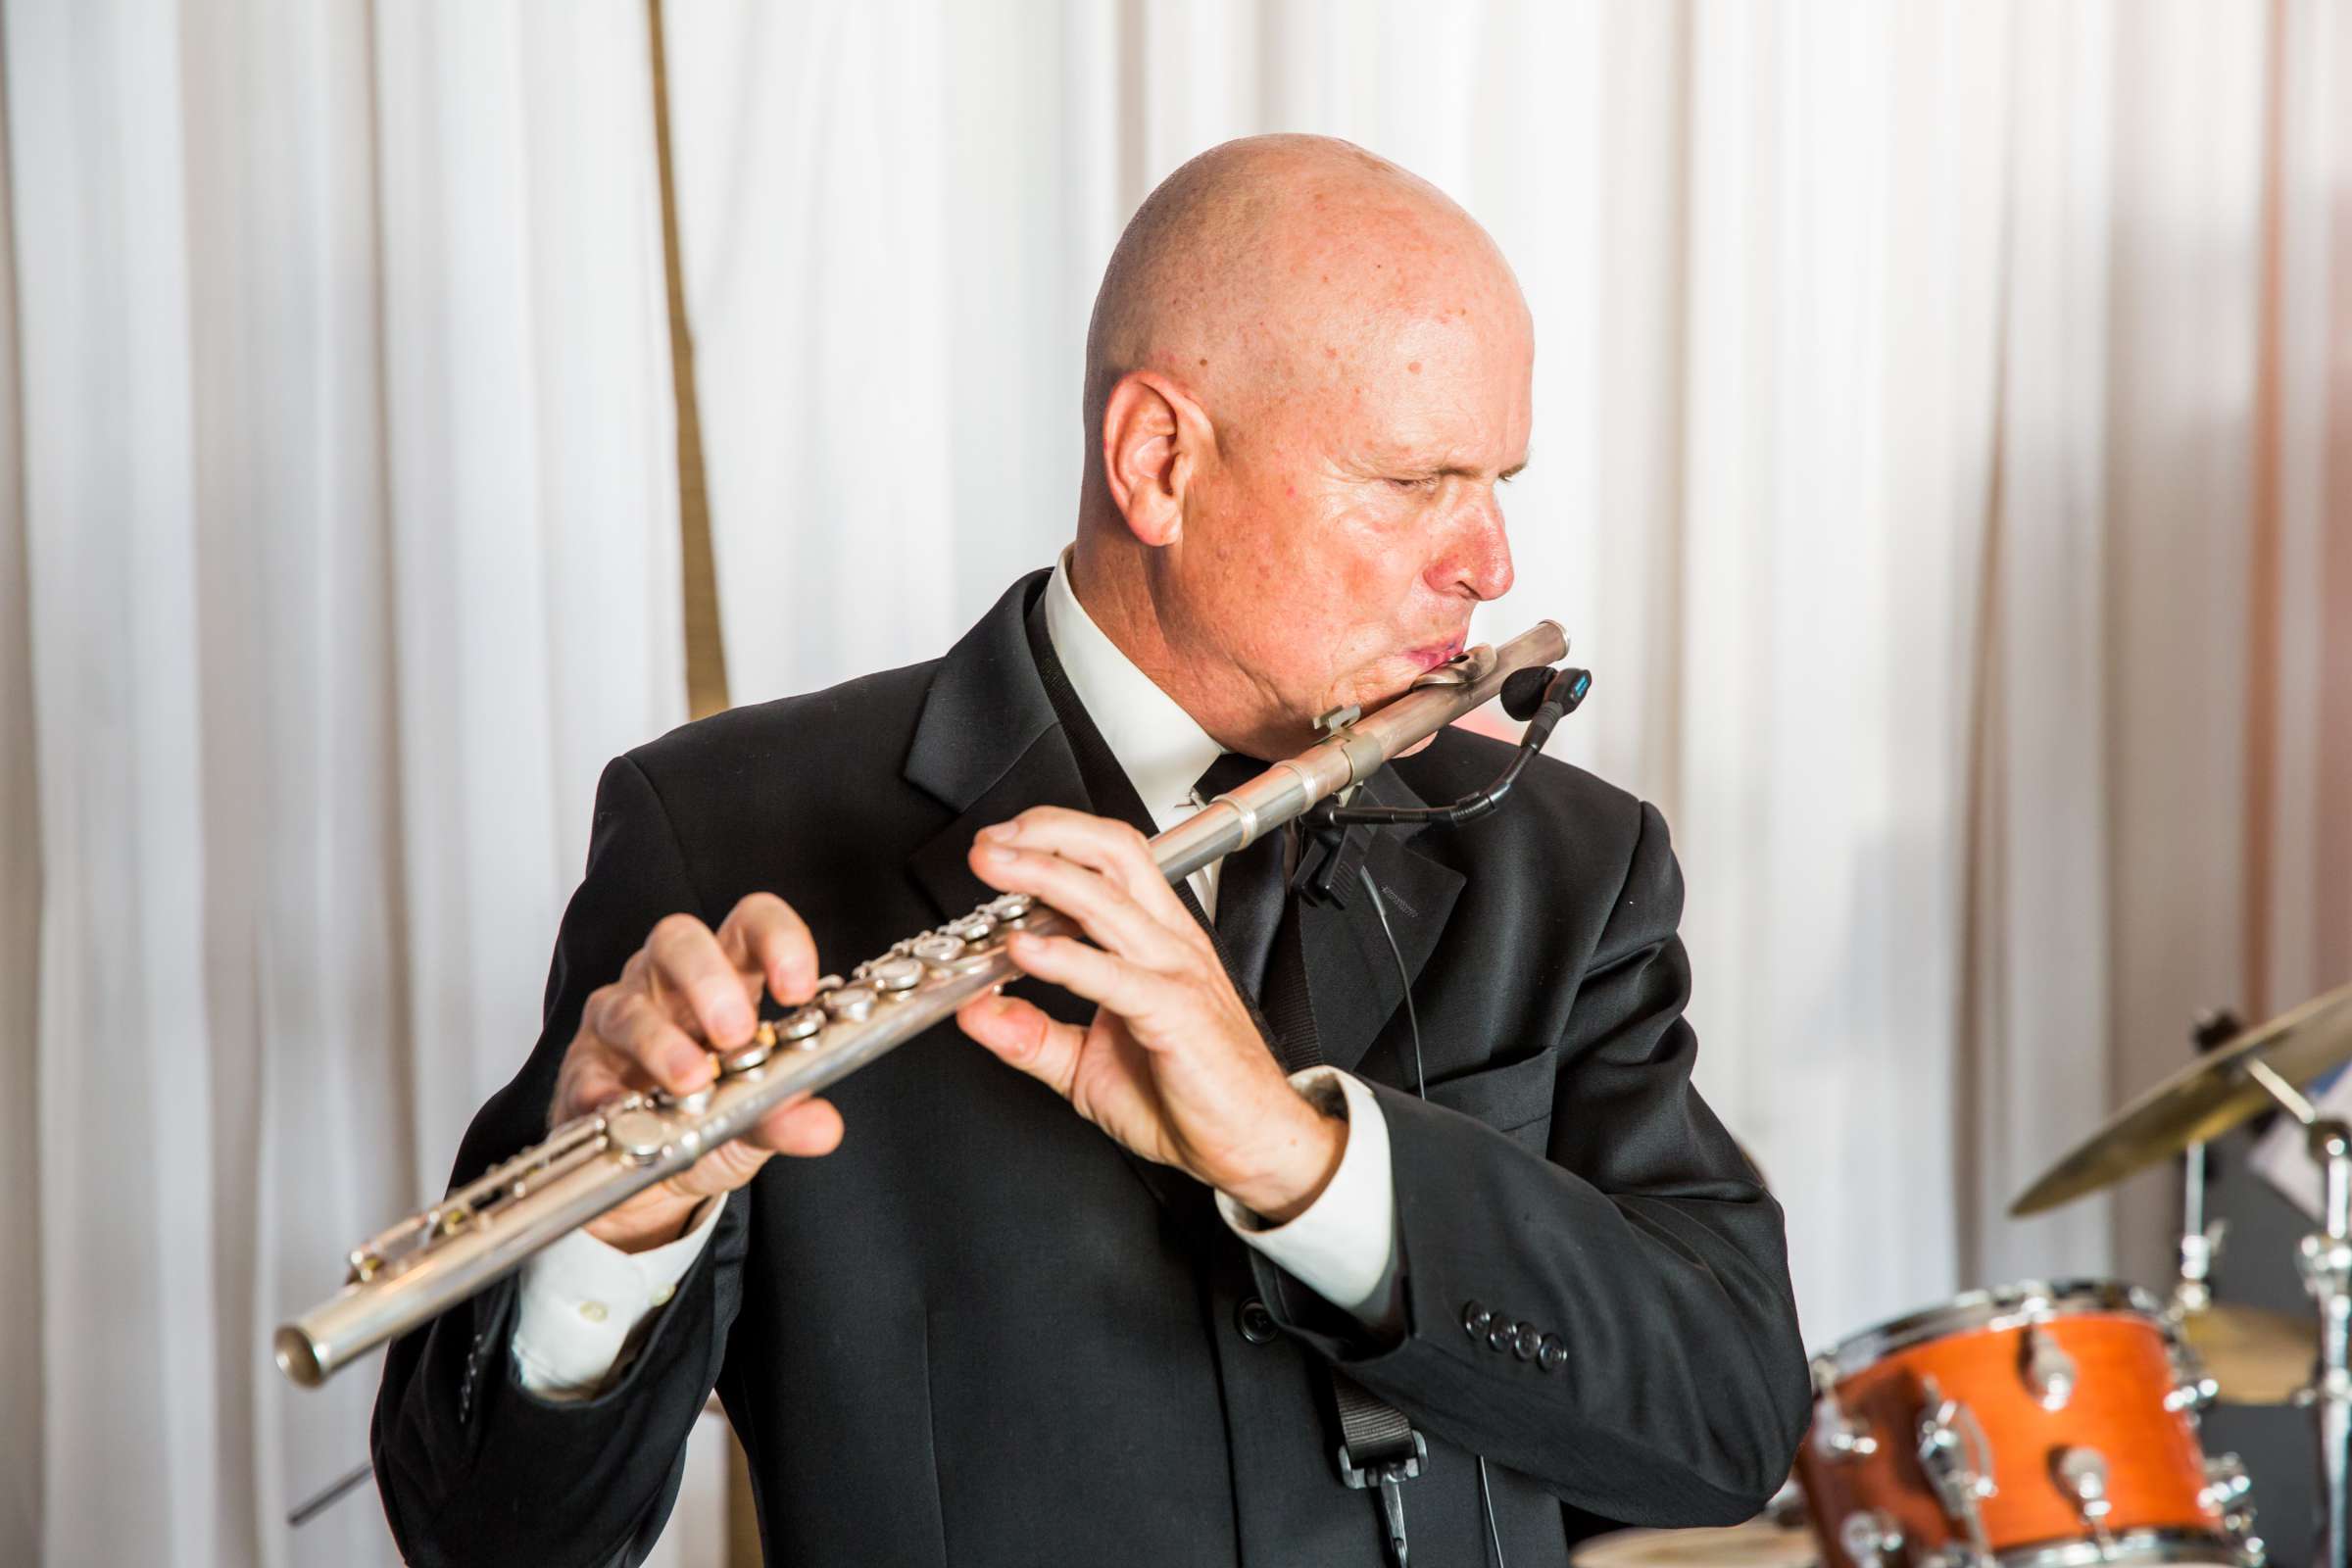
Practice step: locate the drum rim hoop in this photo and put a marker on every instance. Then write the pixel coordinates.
(2134, 1548)
(1994, 1310)
(2168, 1545)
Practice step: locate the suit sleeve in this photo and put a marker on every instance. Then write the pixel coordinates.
(472, 1467)
(1612, 1317)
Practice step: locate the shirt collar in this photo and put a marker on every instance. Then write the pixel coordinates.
(1162, 750)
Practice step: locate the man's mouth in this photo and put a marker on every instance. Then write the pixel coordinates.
(1431, 654)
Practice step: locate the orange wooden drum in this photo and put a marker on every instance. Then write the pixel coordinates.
(2034, 1426)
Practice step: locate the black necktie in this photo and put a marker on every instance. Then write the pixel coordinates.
(1257, 923)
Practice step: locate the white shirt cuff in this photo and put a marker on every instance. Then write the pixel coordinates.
(582, 1299)
(1342, 1244)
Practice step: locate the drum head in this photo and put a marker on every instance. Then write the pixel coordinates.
(1758, 1544)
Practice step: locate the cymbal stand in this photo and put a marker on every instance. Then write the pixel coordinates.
(2200, 1239)
(2326, 1261)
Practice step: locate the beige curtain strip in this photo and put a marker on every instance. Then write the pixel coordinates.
(2262, 573)
(698, 573)
(2332, 918)
(698, 583)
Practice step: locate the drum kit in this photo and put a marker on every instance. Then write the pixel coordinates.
(2054, 1424)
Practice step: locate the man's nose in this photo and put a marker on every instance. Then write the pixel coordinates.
(1480, 559)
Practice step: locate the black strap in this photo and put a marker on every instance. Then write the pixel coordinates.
(1378, 1446)
(1377, 1432)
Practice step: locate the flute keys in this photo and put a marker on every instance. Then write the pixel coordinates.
(894, 975)
(972, 928)
(950, 953)
(639, 1135)
(939, 949)
(753, 1053)
(1011, 910)
(849, 1001)
(800, 1028)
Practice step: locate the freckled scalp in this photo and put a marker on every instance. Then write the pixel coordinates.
(1270, 264)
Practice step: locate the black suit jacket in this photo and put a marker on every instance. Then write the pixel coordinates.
(980, 1333)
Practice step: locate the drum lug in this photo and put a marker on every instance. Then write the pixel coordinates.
(2193, 1390)
(2193, 1396)
(1958, 1462)
(1870, 1539)
(2081, 1474)
(2229, 1497)
(1836, 1434)
(2049, 1372)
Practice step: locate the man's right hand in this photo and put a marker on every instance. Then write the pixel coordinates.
(688, 992)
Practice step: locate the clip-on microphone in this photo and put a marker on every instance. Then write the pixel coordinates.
(1539, 697)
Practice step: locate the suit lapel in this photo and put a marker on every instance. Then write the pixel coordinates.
(990, 745)
(987, 746)
(1351, 978)
(1044, 774)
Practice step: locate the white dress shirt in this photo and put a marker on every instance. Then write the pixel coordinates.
(583, 1300)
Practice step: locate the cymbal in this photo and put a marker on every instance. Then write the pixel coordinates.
(2256, 1355)
(1757, 1544)
(2201, 1102)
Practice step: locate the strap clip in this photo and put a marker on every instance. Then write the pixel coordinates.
(1390, 1476)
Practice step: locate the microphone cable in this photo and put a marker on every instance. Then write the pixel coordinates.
(1540, 698)
(1486, 1497)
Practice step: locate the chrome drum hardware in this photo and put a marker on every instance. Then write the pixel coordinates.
(2044, 1425)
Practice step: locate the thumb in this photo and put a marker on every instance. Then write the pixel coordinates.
(1020, 1034)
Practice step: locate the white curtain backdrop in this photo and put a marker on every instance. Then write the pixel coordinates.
(1944, 459)
(350, 518)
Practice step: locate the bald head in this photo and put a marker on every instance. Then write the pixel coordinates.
(1307, 372)
(1259, 263)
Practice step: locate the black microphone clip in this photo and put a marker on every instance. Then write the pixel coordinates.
(1537, 696)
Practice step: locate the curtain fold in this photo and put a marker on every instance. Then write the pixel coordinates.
(349, 519)
(1943, 445)
(20, 1325)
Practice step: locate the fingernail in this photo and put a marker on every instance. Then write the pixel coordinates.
(1003, 831)
(688, 1066)
(999, 854)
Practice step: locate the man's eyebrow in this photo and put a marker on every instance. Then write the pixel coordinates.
(1407, 465)
(1455, 470)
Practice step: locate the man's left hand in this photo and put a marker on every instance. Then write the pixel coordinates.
(1172, 1065)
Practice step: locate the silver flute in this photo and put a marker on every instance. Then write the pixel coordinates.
(433, 1260)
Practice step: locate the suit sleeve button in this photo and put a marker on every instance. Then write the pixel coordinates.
(1525, 1343)
(1552, 1352)
(1475, 1319)
(1256, 1322)
(1500, 1333)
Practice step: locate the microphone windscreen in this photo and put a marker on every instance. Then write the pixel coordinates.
(1523, 690)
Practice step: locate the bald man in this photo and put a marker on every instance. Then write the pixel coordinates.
(1136, 1277)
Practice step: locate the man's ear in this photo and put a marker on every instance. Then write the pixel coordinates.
(1153, 437)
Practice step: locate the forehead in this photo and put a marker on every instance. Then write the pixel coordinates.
(1431, 391)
